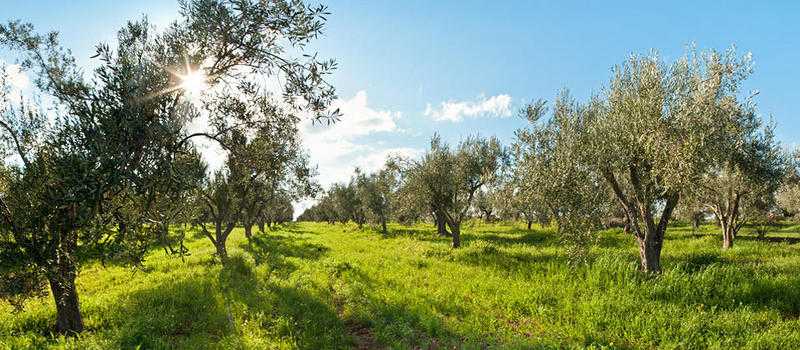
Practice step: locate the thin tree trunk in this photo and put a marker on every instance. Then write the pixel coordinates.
(261, 226)
(248, 230)
(530, 222)
(383, 227)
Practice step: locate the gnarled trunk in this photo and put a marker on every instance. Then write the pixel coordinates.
(61, 275)
(68, 312)
(222, 251)
(650, 254)
(728, 234)
(648, 231)
(441, 225)
(455, 231)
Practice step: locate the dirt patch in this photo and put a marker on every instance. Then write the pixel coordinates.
(362, 335)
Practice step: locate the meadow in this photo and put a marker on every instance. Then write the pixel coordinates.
(321, 286)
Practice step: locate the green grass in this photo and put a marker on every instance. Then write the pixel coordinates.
(317, 286)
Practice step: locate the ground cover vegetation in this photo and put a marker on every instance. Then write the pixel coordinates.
(608, 222)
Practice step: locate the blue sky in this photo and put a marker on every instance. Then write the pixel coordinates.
(472, 64)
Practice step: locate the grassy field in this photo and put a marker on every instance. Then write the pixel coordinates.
(317, 286)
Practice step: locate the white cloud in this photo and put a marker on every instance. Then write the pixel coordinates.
(358, 119)
(336, 147)
(339, 148)
(455, 111)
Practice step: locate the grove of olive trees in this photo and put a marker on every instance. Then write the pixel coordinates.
(110, 166)
(100, 171)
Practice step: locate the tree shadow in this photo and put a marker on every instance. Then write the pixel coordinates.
(170, 314)
(533, 238)
(372, 320)
(274, 250)
(207, 313)
(313, 324)
(696, 262)
(768, 239)
(720, 282)
(500, 259)
(781, 295)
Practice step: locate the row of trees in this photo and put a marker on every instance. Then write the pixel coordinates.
(105, 162)
(663, 140)
(443, 184)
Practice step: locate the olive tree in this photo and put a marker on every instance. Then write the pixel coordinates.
(277, 209)
(323, 211)
(551, 172)
(745, 179)
(376, 192)
(118, 131)
(347, 204)
(447, 179)
(658, 130)
(788, 194)
(257, 170)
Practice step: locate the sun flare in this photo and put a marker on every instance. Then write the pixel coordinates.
(194, 83)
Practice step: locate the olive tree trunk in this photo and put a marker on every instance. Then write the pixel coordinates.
(68, 312)
(222, 251)
(219, 238)
(650, 254)
(61, 274)
(441, 224)
(648, 230)
(455, 231)
(248, 230)
(384, 229)
(728, 217)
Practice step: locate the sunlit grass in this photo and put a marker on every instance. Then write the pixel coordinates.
(316, 286)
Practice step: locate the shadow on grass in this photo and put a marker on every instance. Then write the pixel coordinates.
(502, 260)
(768, 239)
(200, 312)
(716, 282)
(372, 320)
(274, 250)
(782, 295)
(697, 262)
